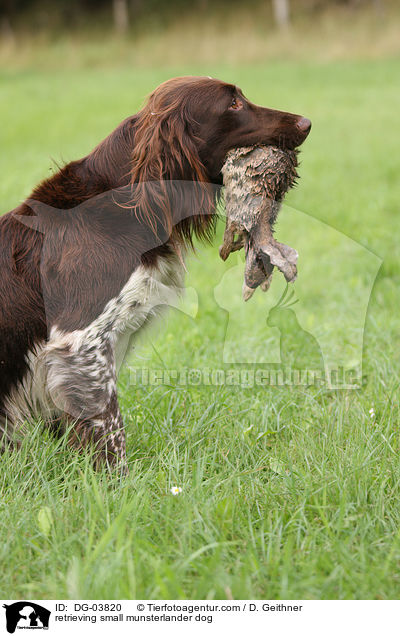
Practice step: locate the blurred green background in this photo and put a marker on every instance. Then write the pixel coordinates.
(157, 33)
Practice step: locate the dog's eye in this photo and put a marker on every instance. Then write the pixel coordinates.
(235, 104)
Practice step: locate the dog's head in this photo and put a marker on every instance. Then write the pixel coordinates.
(190, 123)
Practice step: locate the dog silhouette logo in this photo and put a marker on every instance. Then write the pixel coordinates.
(299, 349)
(26, 615)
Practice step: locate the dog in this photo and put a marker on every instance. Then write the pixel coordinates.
(97, 247)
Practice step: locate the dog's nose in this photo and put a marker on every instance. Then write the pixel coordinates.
(304, 125)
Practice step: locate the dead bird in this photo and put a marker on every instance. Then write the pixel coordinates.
(256, 179)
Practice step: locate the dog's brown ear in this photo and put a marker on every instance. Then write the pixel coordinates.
(165, 152)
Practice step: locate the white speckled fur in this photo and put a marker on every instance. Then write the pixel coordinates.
(75, 372)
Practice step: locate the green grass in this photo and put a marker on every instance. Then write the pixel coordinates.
(288, 492)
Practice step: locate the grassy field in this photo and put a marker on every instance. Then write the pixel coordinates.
(203, 32)
(287, 492)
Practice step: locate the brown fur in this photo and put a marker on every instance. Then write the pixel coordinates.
(182, 134)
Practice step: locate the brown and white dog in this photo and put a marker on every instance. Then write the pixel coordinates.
(96, 248)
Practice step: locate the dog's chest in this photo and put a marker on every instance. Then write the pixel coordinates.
(75, 372)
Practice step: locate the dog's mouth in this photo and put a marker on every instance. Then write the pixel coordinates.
(288, 144)
(297, 136)
(303, 128)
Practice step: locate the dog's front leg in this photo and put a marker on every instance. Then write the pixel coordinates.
(82, 384)
(105, 431)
